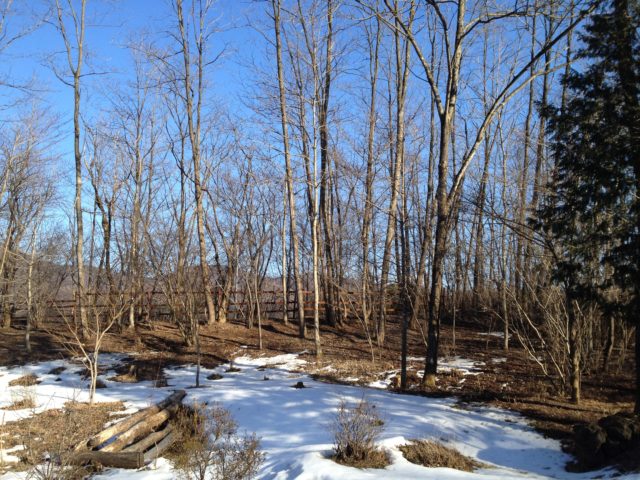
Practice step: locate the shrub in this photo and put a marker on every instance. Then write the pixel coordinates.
(209, 446)
(355, 432)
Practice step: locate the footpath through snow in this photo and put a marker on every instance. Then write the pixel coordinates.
(293, 424)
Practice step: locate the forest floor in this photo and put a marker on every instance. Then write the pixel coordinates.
(474, 369)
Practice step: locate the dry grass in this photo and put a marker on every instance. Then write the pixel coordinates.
(21, 404)
(22, 397)
(56, 432)
(375, 459)
(25, 381)
(433, 454)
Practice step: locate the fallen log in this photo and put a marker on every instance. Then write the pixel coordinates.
(115, 460)
(158, 449)
(149, 441)
(140, 429)
(129, 422)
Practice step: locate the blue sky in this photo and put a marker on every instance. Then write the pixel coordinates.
(111, 25)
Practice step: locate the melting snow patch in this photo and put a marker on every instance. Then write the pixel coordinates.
(494, 334)
(464, 365)
(288, 361)
(386, 381)
(6, 457)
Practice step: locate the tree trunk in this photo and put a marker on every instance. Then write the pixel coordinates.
(293, 228)
(574, 350)
(368, 186)
(194, 117)
(637, 405)
(397, 167)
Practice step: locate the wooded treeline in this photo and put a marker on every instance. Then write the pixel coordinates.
(383, 151)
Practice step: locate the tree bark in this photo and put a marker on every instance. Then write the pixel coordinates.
(402, 54)
(132, 460)
(75, 67)
(194, 118)
(293, 228)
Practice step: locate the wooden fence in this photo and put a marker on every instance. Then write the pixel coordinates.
(159, 305)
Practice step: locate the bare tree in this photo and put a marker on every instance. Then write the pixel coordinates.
(446, 100)
(73, 39)
(293, 228)
(193, 97)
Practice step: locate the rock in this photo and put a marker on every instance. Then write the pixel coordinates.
(588, 442)
(620, 427)
(608, 441)
(214, 376)
(611, 449)
(299, 385)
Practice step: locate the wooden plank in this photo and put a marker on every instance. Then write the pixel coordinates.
(151, 440)
(161, 447)
(115, 460)
(139, 430)
(129, 422)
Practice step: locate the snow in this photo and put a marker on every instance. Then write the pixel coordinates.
(386, 381)
(287, 361)
(6, 457)
(464, 365)
(49, 393)
(293, 424)
(494, 334)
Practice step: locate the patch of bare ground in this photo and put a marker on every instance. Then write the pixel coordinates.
(141, 370)
(350, 371)
(434, 455)
(54, 433)
(44, 346)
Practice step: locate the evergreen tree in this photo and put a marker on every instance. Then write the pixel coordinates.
(593, 214)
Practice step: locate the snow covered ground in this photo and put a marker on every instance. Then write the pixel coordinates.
(294, 423)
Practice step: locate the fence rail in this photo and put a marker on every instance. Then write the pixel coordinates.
(160, 305)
